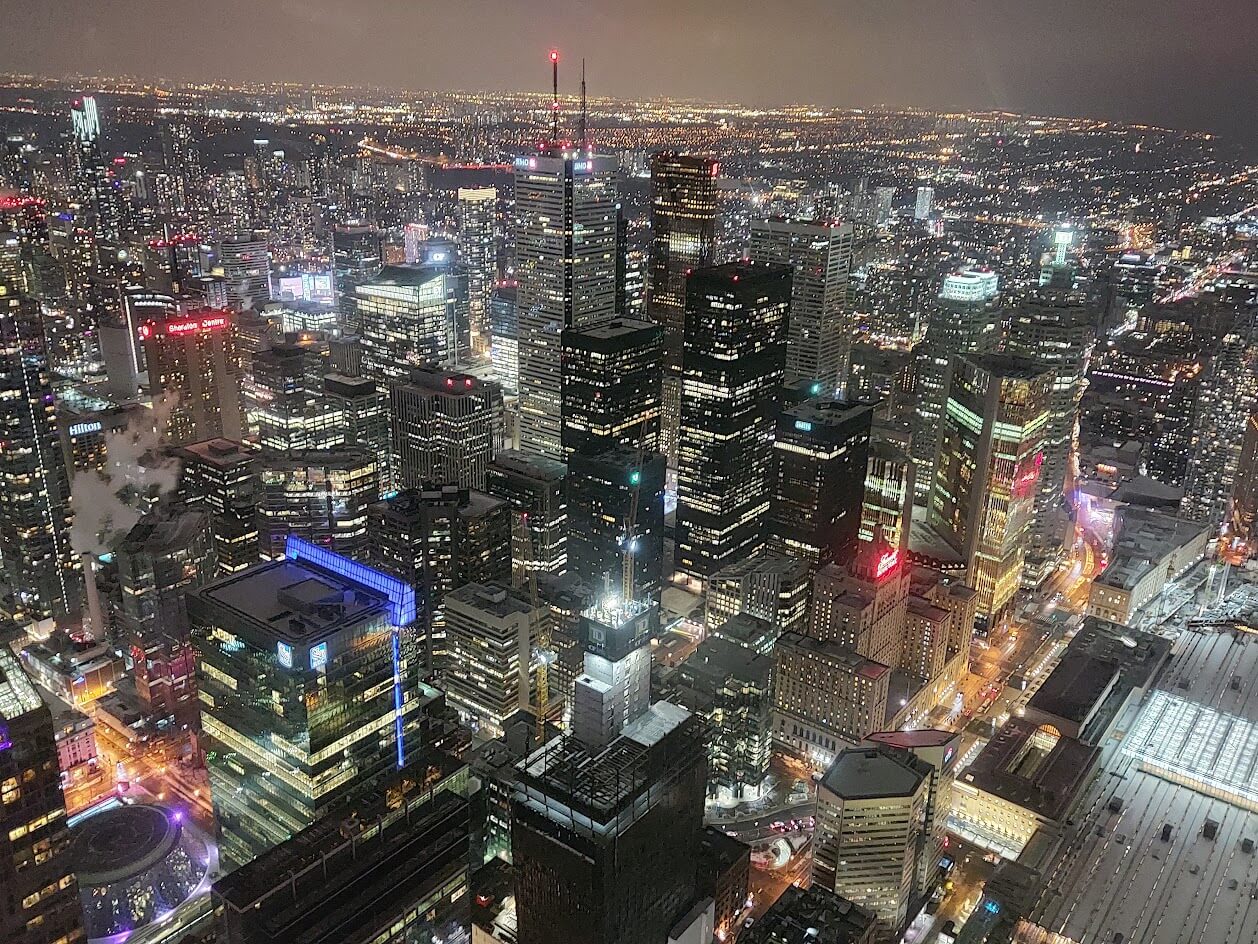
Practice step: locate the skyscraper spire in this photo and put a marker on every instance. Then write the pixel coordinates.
(554, 101)
(582, 140)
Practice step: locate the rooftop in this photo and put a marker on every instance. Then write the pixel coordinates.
(810, 916)
(223, 453)
(17, 694)
(1074, 687)
(1047, 785)
(864, 773)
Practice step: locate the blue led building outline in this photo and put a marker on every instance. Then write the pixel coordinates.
(401, 595)
(401, 598)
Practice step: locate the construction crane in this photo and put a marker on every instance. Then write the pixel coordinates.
(539, 628)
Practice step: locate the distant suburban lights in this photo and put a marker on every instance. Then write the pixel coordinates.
(284, 652)
(803, 426)
(401, 596)
(319, 656)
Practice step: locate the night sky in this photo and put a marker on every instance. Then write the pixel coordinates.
(1181, 63)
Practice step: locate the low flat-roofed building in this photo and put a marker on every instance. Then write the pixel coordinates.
(1073, 693)
(1025, 780)
(812, 916)
(1150, 550)
(76, 672)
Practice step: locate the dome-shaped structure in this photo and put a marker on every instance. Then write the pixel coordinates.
(135, 865)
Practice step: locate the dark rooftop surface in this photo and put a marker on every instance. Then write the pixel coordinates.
(862, 773)
(1074, 687)
(1052, 786)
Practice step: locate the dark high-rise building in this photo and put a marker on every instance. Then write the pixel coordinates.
(1244, 509)
(447, 427)
(40, 571)
(40, 895)
(732, 364)
(220, 477)
(166, 554)
(611, 387)
(391, 868)
(606, 840)
(683, 237)
(822, 449)
(535, 489)
(565, 248)
(604, 492)
(438, 538)
(309, 682)
(357, 257)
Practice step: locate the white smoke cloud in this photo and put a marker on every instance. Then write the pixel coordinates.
(137, 473)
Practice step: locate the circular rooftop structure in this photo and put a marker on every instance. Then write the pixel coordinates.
(135, 865)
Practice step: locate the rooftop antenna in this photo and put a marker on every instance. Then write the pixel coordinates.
(582, 140)
(554, 101)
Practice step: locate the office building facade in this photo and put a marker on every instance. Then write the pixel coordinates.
(732, 368)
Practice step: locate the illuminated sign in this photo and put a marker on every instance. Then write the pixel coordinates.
(319, 656)
(803, 426)
(181, 328)
(5, 741)
(949, 753)
(82, 429)
(284, 652)
(886, 563)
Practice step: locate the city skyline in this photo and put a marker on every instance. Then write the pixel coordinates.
(1182, 69)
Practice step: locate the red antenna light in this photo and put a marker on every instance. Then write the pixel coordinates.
(554, 55)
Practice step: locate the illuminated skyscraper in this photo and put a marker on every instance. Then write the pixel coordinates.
(565, 250)
(321, 495)
(478, 249)
(447, 427)
(822, 450)
(732, 365)
(288, 408)
(438, 538)
(300, 710)
(357, 257)
(40, 570)
(246, 264)
(888, 500)
(89, 172)
(1229, 395)
(611, 387)
(192, 361)
(504, 346)
(925, 203)
(683, 237)
(535, 489)
(491, 633)
(407, 316)
(819, 328)
(220, 477)
(1244, 509)
(181, 155)
(42, 898)
(982, 496)
(965, 319)
(1054, 326)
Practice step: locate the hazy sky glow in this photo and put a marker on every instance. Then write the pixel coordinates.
(1181, 63)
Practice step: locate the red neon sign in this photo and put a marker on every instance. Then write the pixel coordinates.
(886, 563)
(180, 328)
